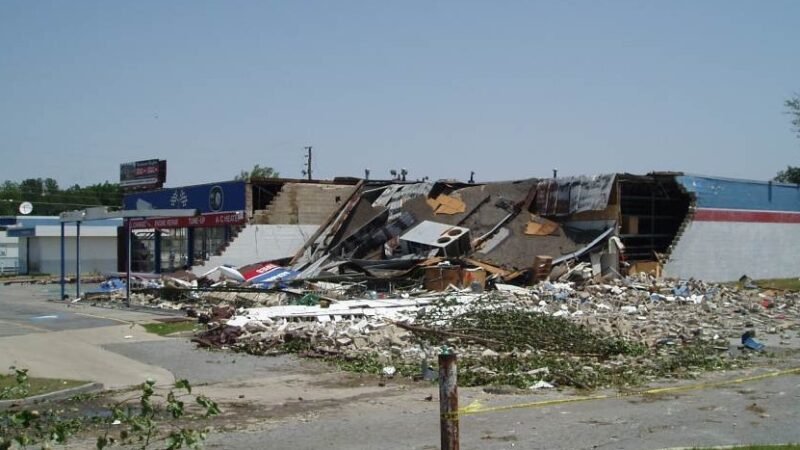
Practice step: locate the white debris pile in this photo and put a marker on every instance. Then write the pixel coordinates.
(347, 327)
(662, 311)
(641, 310)
(347, 338)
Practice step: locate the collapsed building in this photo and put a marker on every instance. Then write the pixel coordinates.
(667, 224)
(536, 283)
(238, 223)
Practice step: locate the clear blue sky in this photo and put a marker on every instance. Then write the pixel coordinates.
(507, 89)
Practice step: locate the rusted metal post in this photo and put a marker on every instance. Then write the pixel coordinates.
(448, 399)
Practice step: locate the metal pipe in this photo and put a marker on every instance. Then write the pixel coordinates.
(448, 400)
(63, 264)
(77, 259)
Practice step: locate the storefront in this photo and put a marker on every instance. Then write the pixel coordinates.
(170, 244)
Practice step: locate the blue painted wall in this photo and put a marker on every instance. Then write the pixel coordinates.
(741, 194)
(205, 197)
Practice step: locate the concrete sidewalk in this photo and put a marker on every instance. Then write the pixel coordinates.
(66, 341)
(79, 355)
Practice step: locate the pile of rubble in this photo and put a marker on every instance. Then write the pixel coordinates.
(659, 311)
(606, 332)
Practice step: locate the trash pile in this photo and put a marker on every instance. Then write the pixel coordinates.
(619, 332)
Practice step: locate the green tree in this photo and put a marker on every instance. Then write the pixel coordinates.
(162, 419)
(51, 186)
(49, 199)
(791, 174)
(32, 187)
(257, 172)
(9, 198)
(793, 109)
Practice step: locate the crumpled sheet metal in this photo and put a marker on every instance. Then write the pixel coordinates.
(566, 196)
(395, 195)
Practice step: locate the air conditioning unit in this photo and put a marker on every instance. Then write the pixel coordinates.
(430, 238)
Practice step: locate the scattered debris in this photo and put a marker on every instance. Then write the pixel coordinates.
(749, 342)
(536, 284)
(620, 332)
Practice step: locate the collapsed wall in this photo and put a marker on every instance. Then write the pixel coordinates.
(293, 203)
(737, 228)
(651, 210)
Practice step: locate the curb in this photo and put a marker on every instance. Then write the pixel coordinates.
(724, 447)
(50, 396)
(133, 308)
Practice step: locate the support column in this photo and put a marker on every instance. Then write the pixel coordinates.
(63, 281)
(190, 246)
(77, 259)
(157, 251)
(128, 262)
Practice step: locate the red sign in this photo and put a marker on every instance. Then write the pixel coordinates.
(149, 174)
(206, 220)
(260, 271)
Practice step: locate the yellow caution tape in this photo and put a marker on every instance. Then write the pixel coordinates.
(476, 407)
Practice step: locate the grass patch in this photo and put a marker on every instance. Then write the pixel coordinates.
(788, 284)
(38, 386)
(21, 276)
(166, 328)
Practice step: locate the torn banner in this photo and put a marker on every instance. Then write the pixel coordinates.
(269, 275)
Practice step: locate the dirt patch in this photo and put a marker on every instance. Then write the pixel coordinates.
(355, 380)
(506, 438)
(652, 398)
(243, 413)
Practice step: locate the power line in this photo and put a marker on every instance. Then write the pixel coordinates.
(29, 196)
(9, 200)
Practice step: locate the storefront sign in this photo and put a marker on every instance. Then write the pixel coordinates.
(206, 220)
(206, 198)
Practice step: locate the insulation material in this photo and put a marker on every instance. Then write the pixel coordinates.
(646, 267)
(445, 204)
(494, 270)
(539, 226)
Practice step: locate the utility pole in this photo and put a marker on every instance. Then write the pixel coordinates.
(308, 162)
(448, 400)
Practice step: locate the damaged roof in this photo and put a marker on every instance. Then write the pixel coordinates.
(497, 215)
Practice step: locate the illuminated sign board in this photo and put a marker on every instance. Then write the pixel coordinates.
(149, 174)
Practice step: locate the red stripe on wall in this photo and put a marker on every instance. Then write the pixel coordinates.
(732, 215)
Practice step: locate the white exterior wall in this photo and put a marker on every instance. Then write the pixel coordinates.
(724, 251)
(98, 254)
(23, 255)
(256, 243)
(9, 253)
